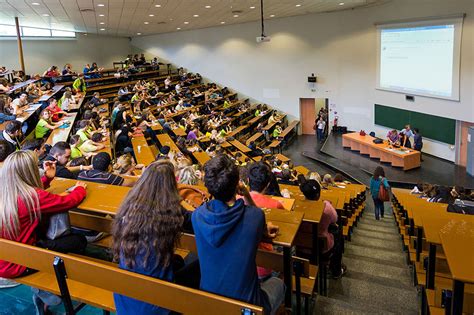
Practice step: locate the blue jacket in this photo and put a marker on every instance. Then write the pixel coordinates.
(128, 306)
(4, 117)
(375, 186)
(227, 240)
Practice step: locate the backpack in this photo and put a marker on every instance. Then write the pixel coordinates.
(383, 192)
(192, 195)
(362, 133)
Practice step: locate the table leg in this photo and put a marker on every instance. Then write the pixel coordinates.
(419, 242)
(315, 245)
(430, 271)
(287, 274)
(458, 297)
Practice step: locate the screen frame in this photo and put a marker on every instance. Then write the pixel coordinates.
(456, 75)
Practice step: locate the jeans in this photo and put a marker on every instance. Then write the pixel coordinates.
(320, 134)
(379, 209)
(274, 288)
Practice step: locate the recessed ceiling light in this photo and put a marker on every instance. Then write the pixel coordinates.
(151, 15)
(178, 28)
(298, 5)
(139, 33)
(102, 23)
(273, 15)
(196, 15)
(236, 15)
(146, 22)
(222, 22)
(101, 5)
(102, 29)
(341, 3)
(35, 3)
(207, 6)
(157, 5)
(85, 34)
(45, 14)
(252, 7)
(186, 22)
(101, 15)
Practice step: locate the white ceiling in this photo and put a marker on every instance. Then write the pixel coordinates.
(128, 17)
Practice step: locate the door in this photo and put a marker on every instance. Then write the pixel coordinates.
(462, 158)
(307, 115)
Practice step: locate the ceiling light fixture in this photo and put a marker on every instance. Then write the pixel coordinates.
(157, 5)
(341, 3)
(139, 33)
(236, 15)
(102, 29)
(151, 15)
(196, 15)
(273, 15)
(207, 6)
(298, 5)
(102, 23)
(252, 7)
(35, 3)
(186, 22)
(146, 22)
(101, 5)
(222, 22)
(45, 14)
(101, 15)
(178, 28)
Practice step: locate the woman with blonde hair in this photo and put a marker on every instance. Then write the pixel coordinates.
(125, 165)
(188, 176)
(24, 204)
(146, 231)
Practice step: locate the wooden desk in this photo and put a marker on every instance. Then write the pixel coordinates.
(287, 203)
(290, 127)
(236, 131)
(240, 146)
(282, 158)
(457, 238)
(46, 97)
(201, 157)
(401, 157)
(302, 170)
(254, 138)
(165, 139)
(62, 134)
(143, 151)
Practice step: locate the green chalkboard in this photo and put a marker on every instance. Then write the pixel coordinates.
(433, 127)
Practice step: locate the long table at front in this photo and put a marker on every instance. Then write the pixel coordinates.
(399, 157)
(106, 199)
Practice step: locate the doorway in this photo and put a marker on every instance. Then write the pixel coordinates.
(309, 109)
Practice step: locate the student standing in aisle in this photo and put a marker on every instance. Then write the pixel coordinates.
(377, 181)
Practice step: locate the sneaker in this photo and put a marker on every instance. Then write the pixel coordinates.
(343, 272)
(95, 238)
(7, 283)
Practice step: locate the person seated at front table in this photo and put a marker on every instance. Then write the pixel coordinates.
(25, 206)
(334, 244)
(100, 172)
(227, 232)
(393, 137)
(45, 125)
(55, 111)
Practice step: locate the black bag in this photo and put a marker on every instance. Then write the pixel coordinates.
(377, 141)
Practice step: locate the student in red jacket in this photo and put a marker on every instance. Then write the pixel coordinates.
(24, 203)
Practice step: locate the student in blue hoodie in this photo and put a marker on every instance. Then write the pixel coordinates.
(228, 231)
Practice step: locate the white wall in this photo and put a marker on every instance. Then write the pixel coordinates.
(41, 54)
(340, 48)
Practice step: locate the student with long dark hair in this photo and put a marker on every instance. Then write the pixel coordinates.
(377, 179)
(146, 231)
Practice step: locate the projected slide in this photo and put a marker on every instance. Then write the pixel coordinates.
(418, 60)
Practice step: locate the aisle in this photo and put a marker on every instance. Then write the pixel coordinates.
(378, 279)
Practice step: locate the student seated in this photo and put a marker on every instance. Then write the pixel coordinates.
(5, 113)
(226, 225)
(259, 176)
(45, 125)
(334, 244)
(60, 153)
(5, 151)
(79, 85)
(19, 104)
(145, 235)
(25, 205)
(393, 137)
(55, 111)
(125, 165)
(100, 172)
(12, 135)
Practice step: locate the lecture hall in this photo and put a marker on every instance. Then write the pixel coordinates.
(238, 157)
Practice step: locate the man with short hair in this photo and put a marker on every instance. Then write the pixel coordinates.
(18, 103)
(100, 172)
(11, 134)
(60, 153)
(4, 151)
(36, 145)
(227, 232)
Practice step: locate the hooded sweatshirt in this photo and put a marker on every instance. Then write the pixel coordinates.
(227, 238)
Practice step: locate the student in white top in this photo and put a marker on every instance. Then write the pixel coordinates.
(18, 103)
(321, 126)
